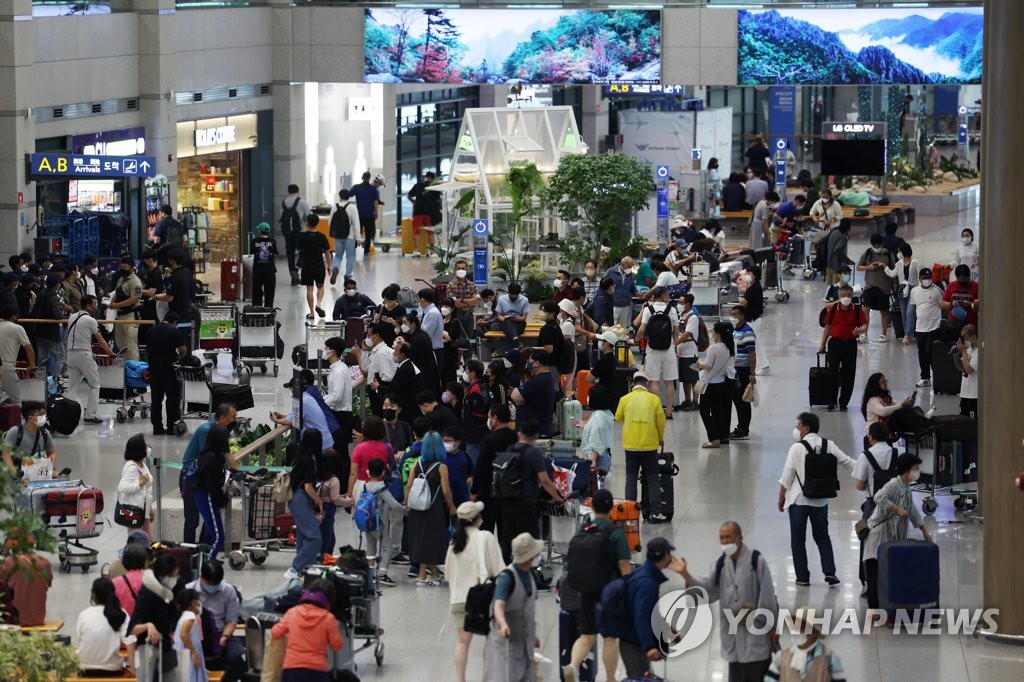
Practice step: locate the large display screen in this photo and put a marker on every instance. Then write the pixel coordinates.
(852, 157)
(497, 46)
(860, 46)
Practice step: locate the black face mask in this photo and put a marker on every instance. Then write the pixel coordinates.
(389, 414)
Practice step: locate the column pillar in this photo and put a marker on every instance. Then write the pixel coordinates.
(158, 75)
(594, 117)
(289, 109)
(1001, 450)
(17, 125)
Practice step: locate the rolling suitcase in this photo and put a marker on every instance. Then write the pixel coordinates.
(823, 384)
(262, 510)
(896, 315)
(667, 470)
(572, 411)
(908, 575)
(230, 279)
(621, 383)
(582, 386)
(568, 633)
(626, 514)
(257, 633)
(63, 414)
(946, 372)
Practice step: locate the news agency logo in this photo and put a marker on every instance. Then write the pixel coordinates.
(682, 620)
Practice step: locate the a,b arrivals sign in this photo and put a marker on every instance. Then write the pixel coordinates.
(83, 166)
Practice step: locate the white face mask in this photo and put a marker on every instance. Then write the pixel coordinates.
(24, 268)
(965, 240)
(449, 447)
(915, 474)
(168, 582)
(351, 292)
(446, 311)
(367, 342)
(406, 328)
(41, 420)
(735, 323)
(95, 271)
(558, 284)
(490, 425)
(846, 300)
(149, 451)
(926, 283)
(461, 274)
(730, 548)
(876, 249)
(465, 377)
(797, 435)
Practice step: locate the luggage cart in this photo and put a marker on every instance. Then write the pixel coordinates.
(316, 334)
(217, 327)
(362, 620)
(123, 383)
(258, 509)
(549, 511)
(73, 511)
(941, 449)
(35, 384)
(199, 394)
(257, 338)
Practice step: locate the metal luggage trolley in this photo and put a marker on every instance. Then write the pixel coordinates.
(73, 511)
(258, 509)
(943, 468)
(123, 383)
(199, 394)
(257, 338)
(316, 334)
(363, 618)
(35, 385)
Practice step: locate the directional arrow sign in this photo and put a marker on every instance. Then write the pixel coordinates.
(89, 166)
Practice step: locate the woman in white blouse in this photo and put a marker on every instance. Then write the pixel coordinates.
(718, 371)
(136, 485)
(906, 272)
(966, 253)
(100, 631)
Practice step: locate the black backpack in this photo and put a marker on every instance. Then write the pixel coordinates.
(880, 476)
(821, 473)
(341, 226)
(173, 232)
(820, 262)
(478, 606)
(659, 330)
(720, 564)
(290, 221)
(587, 562)
(507, 473)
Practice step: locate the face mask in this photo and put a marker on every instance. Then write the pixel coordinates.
(558, 284)
(446, 397)
(41, 420)
(914, 475)
(846, 300)
(125, 273)
(797, 435)
(590, 272)
(846, 279)
(461, 274)
(211, 589)
(367, 342)
(965, 240)
(24, 268)
(449, 447)
(490, 425)
(351, 292)
(94, 271)
(876, 249)
(168, 582)
(926, 283)
(389, 414)
(446, 311)
(730, 549)
(465, 377)
(406, 328)
(736, 323)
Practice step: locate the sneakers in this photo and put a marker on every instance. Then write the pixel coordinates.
(803, 583)
(764, 371)
(831, 580)
(739, 435)
(691, 407)
(569, 674)
(883, 339)
(924, 383)
(657, 518)
(425, 583)
(385, 581)
(334, 277)
(92, 420)
(832, 408)
(412, 573)
(401, 560)
(291, 574)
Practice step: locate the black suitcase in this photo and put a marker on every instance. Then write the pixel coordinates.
(63, 414)
(621, 383)
(896, 315)
(823, 384)
(946, 372)
(568, 633)
(257, 632)
(667, 469)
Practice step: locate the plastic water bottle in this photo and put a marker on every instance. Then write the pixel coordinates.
(104, 428)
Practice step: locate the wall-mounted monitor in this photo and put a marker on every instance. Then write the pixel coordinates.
(852, 157)
(860, 46)
(556, 46)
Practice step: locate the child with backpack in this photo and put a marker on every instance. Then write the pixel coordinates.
(379, 517)
(331, 497)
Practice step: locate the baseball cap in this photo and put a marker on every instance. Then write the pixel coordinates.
(658, 547)
(263, 227)
(59, 267)
(925, 272)
(26, 278)
(52, 280)
(679, 221)
(608, 337)
(10, 277)
(541, 356)
(602, 501)
(640, 376)
(306, 377)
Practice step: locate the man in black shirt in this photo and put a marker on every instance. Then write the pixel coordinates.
(315, 253)
(536, 398)
(152, 277)
(440, 416)
(264, 272)
(603, 371)
(501, 437)
(753, 305)
(179, 292)
(164, 345)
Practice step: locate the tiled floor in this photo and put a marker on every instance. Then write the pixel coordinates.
(739, 482)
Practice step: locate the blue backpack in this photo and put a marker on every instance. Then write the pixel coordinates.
(366, 513)
(615, 613)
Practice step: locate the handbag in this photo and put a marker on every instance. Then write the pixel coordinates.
(748, 393)
(393, 482)
(282, 490)
(420, 497)
(699, 387)
(129, 515)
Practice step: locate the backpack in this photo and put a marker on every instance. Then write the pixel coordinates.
(366, 513)
(406, 298)
(173, 234)
(702, 340)
(290, 221)
(478, 605)
(407, 464)
(587, 561)
(507, 473)
(880, 476)
(341, 226)
(615, 602)
(720, 564)
(282, 490)
(420, 497)
(824, 317)
(820, 261)
(659, 330)
(820, 471)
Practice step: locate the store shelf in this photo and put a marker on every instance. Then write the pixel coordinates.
(219, 175)
(217, 191)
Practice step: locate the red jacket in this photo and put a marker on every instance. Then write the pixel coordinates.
(312, 630)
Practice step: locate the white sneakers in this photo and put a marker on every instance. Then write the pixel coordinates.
(923, 383)
(291, 574)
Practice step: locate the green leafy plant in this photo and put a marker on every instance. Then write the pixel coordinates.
(446, 254)
(601, 193)
(574, 250)
(952, 164)
(636, 247)
(525, 184)
(36, 657)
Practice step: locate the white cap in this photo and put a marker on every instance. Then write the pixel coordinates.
(608, 337)
(567, 306)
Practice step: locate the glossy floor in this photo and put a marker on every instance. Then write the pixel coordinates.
(738, 482)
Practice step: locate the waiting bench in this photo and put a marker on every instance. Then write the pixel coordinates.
(214, 676)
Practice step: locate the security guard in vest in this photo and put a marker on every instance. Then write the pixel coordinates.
(127, 300)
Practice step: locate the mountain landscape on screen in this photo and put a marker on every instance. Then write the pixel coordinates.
(857, 47)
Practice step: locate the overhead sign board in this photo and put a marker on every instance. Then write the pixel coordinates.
(85, 166)
(222, 134)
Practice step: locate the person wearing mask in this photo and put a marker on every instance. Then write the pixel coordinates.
(397, 432)
(894, 513)
(511, 312)
(551, 339)
(876, 263)
(422, 353)
(785, 217)
(496, 381)
(474, 407)
(801, 508)
(603, 371)
(926, 300)
(210, 497)
(30, 443)
(686, 352)
(811, 193)
(353, 304)
(165, 344)
(535, 399)
(659, 325)
(510, 644)
(740, 580)
(562, 287)
(596, 439)
(136, 485)
(717, 372)
(757, 155)
(877, 404)
(72, 292)
(127, 301)
(339, 394)
(967, 345)
(224, 416)
(178, 294)
(761, 221)
(90, 276)
(602, 308)
(622, 295)
(464, 295)
(439, 416)
(906, 273)
(643, 432)
(428, 528)
(344, 239)
(377, 362)
(616, 563)
(168, 230)
(734, 196)
(368, 200)
(877, 459)
(826, 212)
(755, 189)
(126, 570)
(407, 382)
(264, 271)
(315, 252)
(807, 658)
(844, 323)
(20, 293)
(371, 446)
(960, 300)
(28, 576)
(314, 416)
(83, 332)
(967, 253)
(432, 322)
(152, 276)
(311, 629)
(473, 557)
(426, 212)
(49, 348)
(13, 339)
(455, 342)
(752, 301)
(460, 466)
(745, 342)
(100, 632)
(836, 251)
(500, 437)
(591, 280)
(305, 505)
(389, 312)
(385, 542)
(220, 599)
(152, 623)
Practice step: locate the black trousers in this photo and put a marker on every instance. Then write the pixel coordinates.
(187, 486)
(517, 516)
(369, 227)
(716, 410)
(969, 407)
(924, 352)
(871, 575)
(289, 248)
(490, 515)
(742, 407)
(163, 387)
(264, 282)
(842, 355)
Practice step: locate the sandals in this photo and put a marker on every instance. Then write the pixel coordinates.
(710, 445)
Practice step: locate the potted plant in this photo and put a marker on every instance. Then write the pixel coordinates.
(454, 232)
(524, 184)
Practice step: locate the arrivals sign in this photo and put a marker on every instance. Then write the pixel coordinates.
(85, 166)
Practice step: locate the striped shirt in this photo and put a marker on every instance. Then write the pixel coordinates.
(745, 344)
(885, 524)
